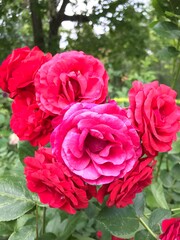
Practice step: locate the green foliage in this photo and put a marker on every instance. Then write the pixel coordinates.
(120, 222)
(25, 149)
(14, 198)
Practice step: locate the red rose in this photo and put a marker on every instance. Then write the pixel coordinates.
(54, 183)
(96, 142)
(171, 229)
(70, 77)
(99, 234)
(122, 191)
(155, 115)
(18, 69)
(28, 121)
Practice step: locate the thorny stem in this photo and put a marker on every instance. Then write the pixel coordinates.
(44, 221)
(148, 229)
(37, 236)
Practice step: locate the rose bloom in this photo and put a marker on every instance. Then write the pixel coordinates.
(28, 121)
(155, 115)
(54, 183)
(70, 77)
(18, 69)
(171, 229)
(96, 142)
(122, 191)
(99, 234)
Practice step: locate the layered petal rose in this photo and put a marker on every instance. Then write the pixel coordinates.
(54, 183)
(96, 142)
(155, 115)
(18, 69)
(122, 191)
(28, 121)
(170, 229)
(70, 77)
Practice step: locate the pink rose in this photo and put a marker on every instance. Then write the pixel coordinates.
(155, 115)
(70, 77)
(96, 142)
(54, 183)
(122, 191)
(28, 121)
(18, 69)
(171, 229)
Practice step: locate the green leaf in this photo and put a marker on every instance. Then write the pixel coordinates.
(24, 233)
(15, 199)
(157, 216)
(175, 172)
(166, 179)
(80, 237)
(25, 149)
(168, 52)
(176, 187)
(167, 29)
(71, 225)
(6, 228)
(54, 221)
(139, 204)
(27, 219)
(47, 236)
(121, 222)
(175, 147)
(143, 235)
(158, 193)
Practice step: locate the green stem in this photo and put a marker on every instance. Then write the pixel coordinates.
(44, 221)
(37, 235)
(167, 164)
(175, 209)
(159, 167)
(148, 229)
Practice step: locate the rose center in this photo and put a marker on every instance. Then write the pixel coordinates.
(69, 88)
(95, 144)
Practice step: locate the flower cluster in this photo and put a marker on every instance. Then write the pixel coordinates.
(97, 148)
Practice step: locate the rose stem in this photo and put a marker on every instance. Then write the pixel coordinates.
(44, 220)
(159, 166)
(37, 222)
(146, 226)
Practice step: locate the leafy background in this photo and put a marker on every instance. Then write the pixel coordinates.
(134, 41)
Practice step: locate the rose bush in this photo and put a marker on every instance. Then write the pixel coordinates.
(96, 142)
(54, 183)
(70, 77)
(171, 229)
(95, 149)
(155, 115)
(19, 68)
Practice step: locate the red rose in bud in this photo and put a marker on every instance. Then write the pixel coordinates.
(155, 115)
